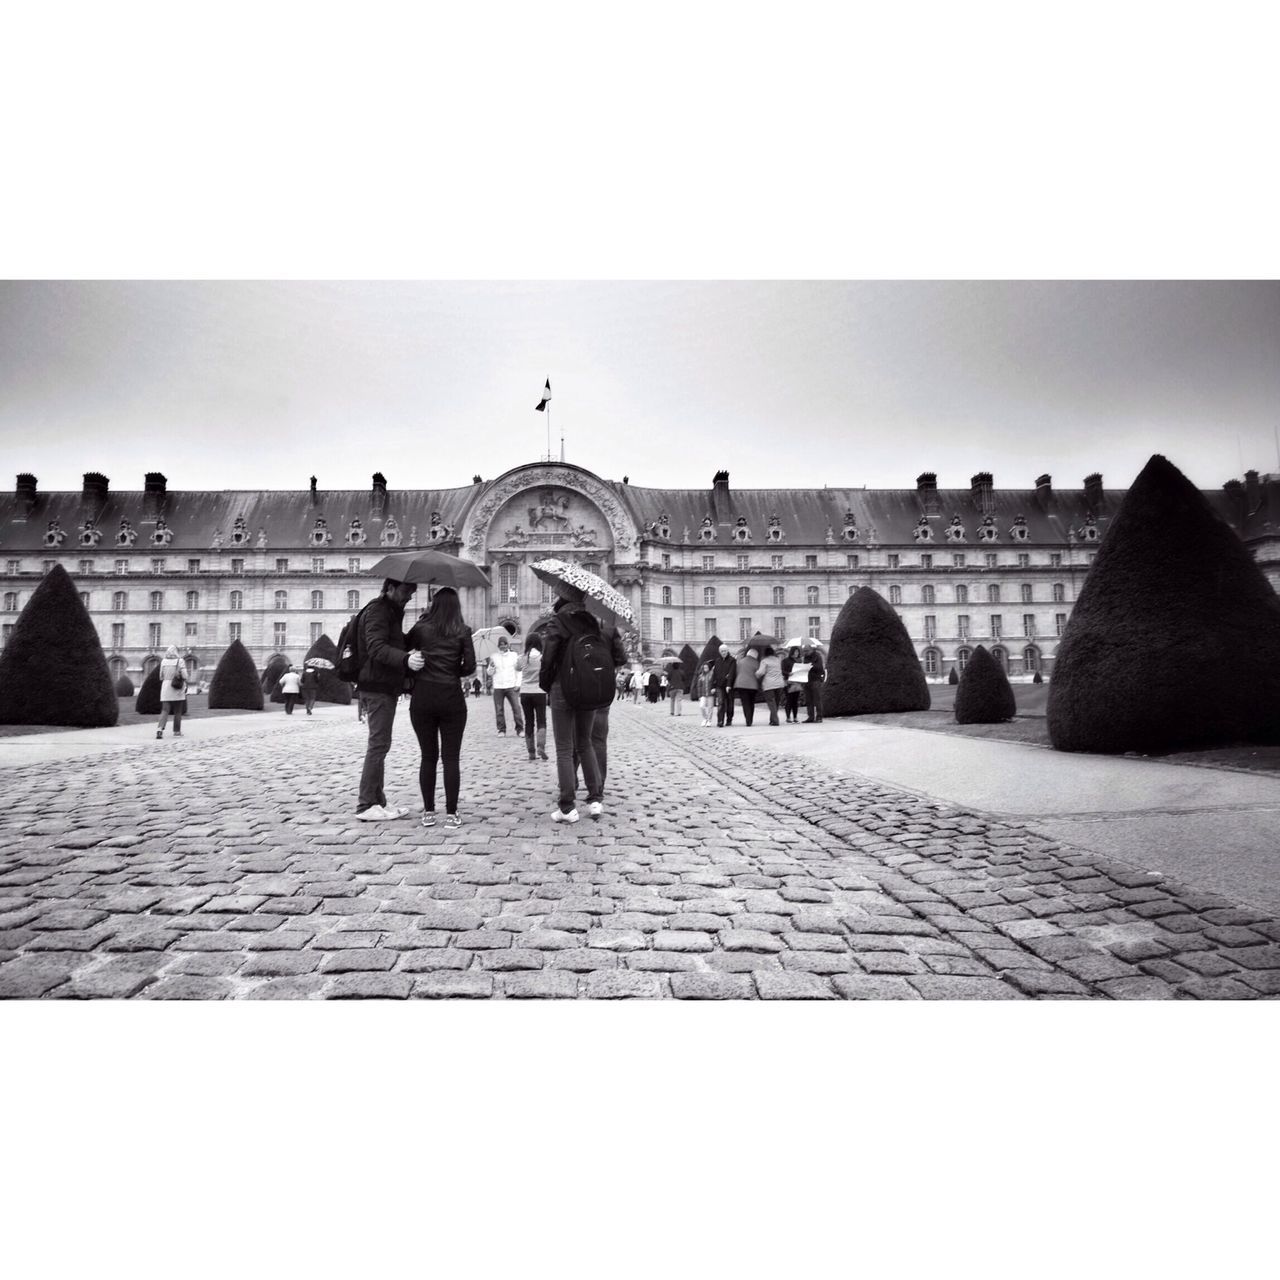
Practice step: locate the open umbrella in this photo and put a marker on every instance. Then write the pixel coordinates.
(758, 642)
(430, 566)
(601, 598)
(321, 664)
(799, 642)
(486, 640)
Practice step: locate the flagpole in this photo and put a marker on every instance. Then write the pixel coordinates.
(548, 430)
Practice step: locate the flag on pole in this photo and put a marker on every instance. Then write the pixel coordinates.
(546, 395)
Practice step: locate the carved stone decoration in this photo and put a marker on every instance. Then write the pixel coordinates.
(1090, 532)
(90, 534)
(741, 530)
(987, 531)
(216, 544)
(262, 538)
(774, 533)
(831, 535)
(549, 515)
(239, 532)
(127, 535)
(685, 536)
(440, 532)
(54, 535)
(955, 530)
(850, 531)
(516, 537)
(356, 536)
(162, 536)
(922, 532)
(320, 535)
(390, 536)
(707, 530)
(413, 536)
(582, 536)
(476, 528)
(659, 528)
(1018, 531)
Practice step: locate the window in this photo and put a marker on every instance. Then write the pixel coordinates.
(1089, 558)
(153, 635)
(279, 634)
(709, 627)
(930, 626)
(353, 600)
(1002, 658)
(317, 599)
(962, 659)
(282, 599)
(962, 594)
(119, 601)
(992, 560)
(744, 595)
(190, 631)
(744, 562)
(84, 599)
(237, 601)
(666, 595)
(893, 559)
(122, 566)
(810, 562)
(1028, 624)
(233, 631)
(1059, 623)
(931, 662)
(11, 602)
(1024, 560)
(193, 566)
(997, 623)
(666, 560)
(993, 593)
(775, 562)
(353, 564)
(1055, 559)
(709, 596)
(47, 565)
(779, 595)
(927, 595)
(12, 566)
(851, 562)
(193, 599)
(1031, 658)
(157, 564)
(282, 565)
(957, 559)
(895, 595)
(237, 566)
(317, 564)
(86, 566)
(508, 576)
(1025, 591)
(8, 632)
(1059, 593)
(668, 632)
(744, 629)
(853, 586)
(962, 626)
(157, 601)
(815, 628)
(708, 562)
(926, 560)
(316, 629)
(117, 635)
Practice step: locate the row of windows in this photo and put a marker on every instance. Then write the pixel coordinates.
(959, 560)
(932, 659)
(964, 629)
(746, 628)
(157, 637)
(156, 601)
(1026, 594)
(160, 564)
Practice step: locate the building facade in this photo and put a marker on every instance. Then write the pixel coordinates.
(277, 570)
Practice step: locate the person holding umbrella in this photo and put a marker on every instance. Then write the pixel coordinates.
(813, 687)
(310, 686)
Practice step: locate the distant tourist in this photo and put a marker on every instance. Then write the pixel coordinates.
(310, 688)
(675, 690)
(747, 682)
(796, 674)
(506, 685)
(813, 688)
(533, 702)
(173, 697)
(704, 689)
(653, 687)
(725, 673)
(290, 686)
(772, 682)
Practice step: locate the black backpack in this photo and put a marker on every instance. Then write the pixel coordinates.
(350, 658)
(587, 673)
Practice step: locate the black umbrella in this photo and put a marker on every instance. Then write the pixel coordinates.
(430, 566)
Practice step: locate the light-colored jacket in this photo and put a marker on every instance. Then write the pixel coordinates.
(168, 668)
(771, 673)
(505, 672)
(529, 665)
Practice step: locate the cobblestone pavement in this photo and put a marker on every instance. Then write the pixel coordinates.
(235, 868)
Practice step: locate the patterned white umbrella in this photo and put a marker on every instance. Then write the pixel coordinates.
(602, 599)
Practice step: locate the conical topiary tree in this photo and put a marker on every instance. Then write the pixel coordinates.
(53, 670)
(954, 677)
(1037, 678)
(985, 695)
(148, 700)
(124, 687)
(688, 666)
(330, 689)
(271, 674)
(1174, 641)
(872, 665)
(235, 685)
(710, 650)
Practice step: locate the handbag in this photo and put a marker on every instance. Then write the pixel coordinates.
(179, 681)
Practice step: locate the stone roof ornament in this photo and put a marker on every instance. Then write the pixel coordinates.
(774, 533)
(356, 536)
(955, 530)
(922, 532)
(162, 535)
(707, 529)
(741, 530)
(390, 536)
(987, 531)
(127, 535)
(850, 531)
(90, 534)
(1090, 532)
(54, 536)
(1018, 531)
(320, 535)
(239, 532)
(262, 537)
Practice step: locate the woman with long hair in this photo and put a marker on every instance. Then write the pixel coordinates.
(173, 696)
(438, 709)
(533, 702)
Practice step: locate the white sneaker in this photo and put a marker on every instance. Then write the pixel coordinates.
(374, 813)
(397, 811)
(595, 808)
(557, 816)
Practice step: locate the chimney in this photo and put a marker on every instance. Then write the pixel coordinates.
(25, 492)
(379, 502)
(720, 497)
(1093, 491)
(94, 495)
(1252, 491)
(927, 490)
(315, 497)
(1236, 504)
(154, 496)
(981, 489)
(476, 480)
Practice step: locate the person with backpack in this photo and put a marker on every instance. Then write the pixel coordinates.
(310, 688)
(577, 675)
(384, 662)
(438, 707)
(173, 691)
(600, 725)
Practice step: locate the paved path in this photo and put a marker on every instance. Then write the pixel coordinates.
(229, 865)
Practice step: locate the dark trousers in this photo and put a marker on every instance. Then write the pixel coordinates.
(438, 713)
(771, 697)
(379, 715)
(572, 729)
(599, 740)
(747, 698)
(793, 703)
(724, 705)
(290, 701)
(813, 700)
(309, 700)
(512, 696)
(174, 708)
(534, 706)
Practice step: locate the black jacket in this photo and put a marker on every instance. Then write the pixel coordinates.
(385, 659)
(574, 620)
(448, 658)
(725, 672)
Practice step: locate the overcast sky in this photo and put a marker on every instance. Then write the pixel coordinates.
(247, 385)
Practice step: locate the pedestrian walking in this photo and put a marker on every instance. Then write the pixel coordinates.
(571, 725)
(290, 685)
(600, 725)
(724, 673)
(675, 690)
(385, 663)
(704, 689)
(310, 688)
(653, 686)
(795, 683)
(476, 688)
(533, 702)
(772, 682)
(747, 683)
(437, 706)
(173, 691)
(813, 687)
(637, 686)
(506, 686)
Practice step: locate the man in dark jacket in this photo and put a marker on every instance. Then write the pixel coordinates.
(384, 664)
(813, 690)
(723, 674)
(572, 726)
(600, 726)
(310, 687)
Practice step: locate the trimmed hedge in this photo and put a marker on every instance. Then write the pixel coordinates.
(330, 689)
(235, 685)
(271, 674)
(985, 695)
(953, 678)
(710, 650)
(1037, 678)
(1174, 642)
(872, 665)
(53, 670)
(688, 666)
(148, 700)
(124, 687)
